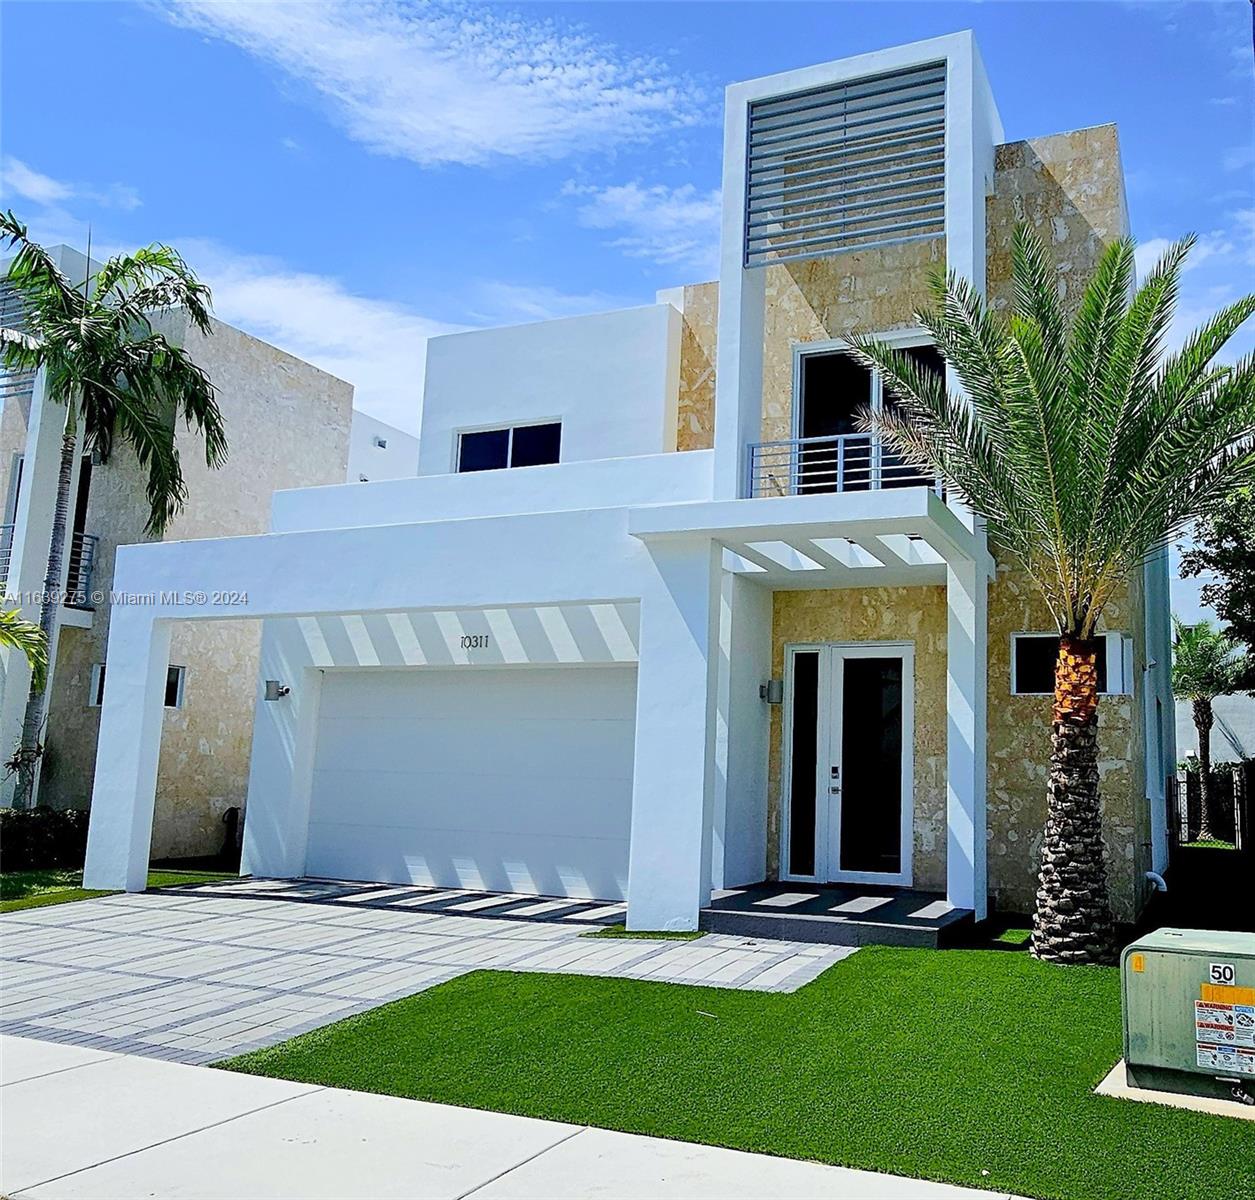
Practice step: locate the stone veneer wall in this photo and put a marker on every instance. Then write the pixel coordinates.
(1069, 187)
(915, 615)
(287, 426)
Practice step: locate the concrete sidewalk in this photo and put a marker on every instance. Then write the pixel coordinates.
(86, 1123)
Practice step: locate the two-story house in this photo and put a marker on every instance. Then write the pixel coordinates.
(288, 425)
(655, 624)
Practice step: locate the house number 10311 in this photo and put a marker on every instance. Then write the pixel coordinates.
(474, 641)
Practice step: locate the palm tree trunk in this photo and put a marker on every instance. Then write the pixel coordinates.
(1204, 718)
(1073, 922)
(31, 751)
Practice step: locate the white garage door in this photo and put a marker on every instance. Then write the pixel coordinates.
(516, 779)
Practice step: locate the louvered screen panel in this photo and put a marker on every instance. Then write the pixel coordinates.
(14, 385)
(847, 167)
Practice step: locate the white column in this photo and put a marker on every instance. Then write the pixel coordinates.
(673, 778)
(739, 349)
(967, 634)
(280, 775)
(128, 749)
(28, 560)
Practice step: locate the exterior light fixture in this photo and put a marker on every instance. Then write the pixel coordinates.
(772, 691)
(276, 690)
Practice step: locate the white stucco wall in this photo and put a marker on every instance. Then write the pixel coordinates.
(612, 379)
(398, 459)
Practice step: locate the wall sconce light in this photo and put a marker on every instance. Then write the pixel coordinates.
(276, 690)
(772, 691)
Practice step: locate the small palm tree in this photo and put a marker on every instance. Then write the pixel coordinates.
(1083, 446)
(27, 637)
(117, 378)
(1206, 663)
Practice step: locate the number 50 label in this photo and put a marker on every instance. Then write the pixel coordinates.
(1222, 973)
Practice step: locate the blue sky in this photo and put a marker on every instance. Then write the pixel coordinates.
(354, 177)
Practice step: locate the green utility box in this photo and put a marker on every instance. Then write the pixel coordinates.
(1189, 1011)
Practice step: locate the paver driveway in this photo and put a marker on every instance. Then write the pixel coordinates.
(205, 973)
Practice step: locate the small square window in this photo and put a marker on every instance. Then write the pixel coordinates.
(96, 689)
(487, 450)
(536, 445)
(175, 677)
(381, 443)
(1033, 664)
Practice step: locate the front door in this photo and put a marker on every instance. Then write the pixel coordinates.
(848, 723)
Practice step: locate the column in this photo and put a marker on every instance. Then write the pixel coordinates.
(673, 776)
(128, 748)
(967, 636)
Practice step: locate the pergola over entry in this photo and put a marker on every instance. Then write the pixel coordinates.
(668, 561)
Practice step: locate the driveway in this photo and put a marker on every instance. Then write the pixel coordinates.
(204, 973)
(98, 1126)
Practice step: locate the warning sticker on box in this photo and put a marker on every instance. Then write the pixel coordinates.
(1244, 1024)
(1214, 1023)
(1226, 1060)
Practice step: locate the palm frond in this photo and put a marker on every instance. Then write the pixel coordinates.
(1081, 445)
(27, 637)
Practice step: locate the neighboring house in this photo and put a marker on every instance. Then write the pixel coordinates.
(1233, 734)
(287, 426)
(380, 451)
(654, 621)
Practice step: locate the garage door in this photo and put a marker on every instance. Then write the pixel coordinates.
(516, 779)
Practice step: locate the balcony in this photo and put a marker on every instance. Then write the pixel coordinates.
(850, 462)
(81, 555)
(82, 562)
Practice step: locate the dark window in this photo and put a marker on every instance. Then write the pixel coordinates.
(834, 391)
(1035, 655)
(535, 445)
(871, 756)
(488, 450)
(96, 696)
(803, 761)
(174, 687)
(894, 472)
(522, 446)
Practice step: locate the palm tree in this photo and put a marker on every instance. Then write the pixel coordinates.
(1083, 447)
(27, 637)
(1206, 663)
(117, 377)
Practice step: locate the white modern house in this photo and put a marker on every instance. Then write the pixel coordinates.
(654, 624)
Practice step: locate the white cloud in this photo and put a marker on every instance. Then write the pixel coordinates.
(500, 303)
(1217, 272)
(457, 83)
(378, 346)
(19, 179)
(666, 225)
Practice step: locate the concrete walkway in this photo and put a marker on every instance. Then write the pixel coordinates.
(89, 1124)
(195, 978)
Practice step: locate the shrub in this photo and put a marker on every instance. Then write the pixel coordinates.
(42, 839)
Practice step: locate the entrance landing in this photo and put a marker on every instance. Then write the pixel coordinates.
(837, 915)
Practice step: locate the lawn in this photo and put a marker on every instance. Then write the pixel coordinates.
(969, 1066)
(34, 889)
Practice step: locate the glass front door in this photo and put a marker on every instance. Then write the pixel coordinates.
(848, 763)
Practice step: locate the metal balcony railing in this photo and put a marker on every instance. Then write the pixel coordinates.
(81, 553)
(78, 579)
(849, 462)
(6, 553)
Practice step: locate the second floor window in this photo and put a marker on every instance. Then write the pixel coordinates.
(833, 389)
(514, 446)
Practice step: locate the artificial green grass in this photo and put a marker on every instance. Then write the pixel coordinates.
(657, 935)
(973, 1067)
(35, 889)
